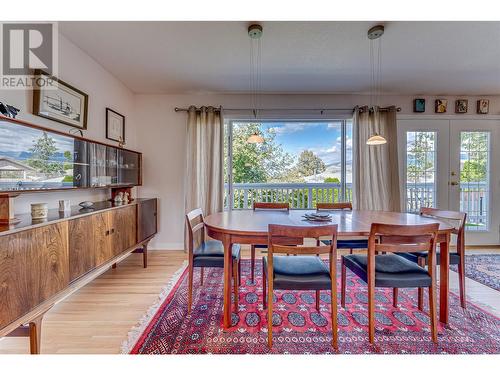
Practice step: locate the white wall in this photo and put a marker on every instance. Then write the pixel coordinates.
(104, 90)
(162, 139)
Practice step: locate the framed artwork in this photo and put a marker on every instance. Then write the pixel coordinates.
(62, 103)
(483, 106)
(419, 105)
(115, 126)
(461, 105)
(441, 105)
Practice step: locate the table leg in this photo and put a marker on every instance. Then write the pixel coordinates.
(444, 265)
(228, 262)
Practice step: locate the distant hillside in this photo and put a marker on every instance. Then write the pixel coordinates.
(24, 155)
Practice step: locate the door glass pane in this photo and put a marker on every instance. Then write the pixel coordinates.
(474, 178)
(420, 170)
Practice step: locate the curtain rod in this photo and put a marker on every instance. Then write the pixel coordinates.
(177, 109)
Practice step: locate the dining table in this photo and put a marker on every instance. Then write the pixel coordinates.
(251, 227)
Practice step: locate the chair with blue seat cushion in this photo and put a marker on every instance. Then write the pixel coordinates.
(342, 244)
(392, 271)
(457, 220)
(302, 272)
(258, 206)
(207, 253)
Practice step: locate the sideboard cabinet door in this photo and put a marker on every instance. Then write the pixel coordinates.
(147, 216)
(34, 266)
(123, 222)
(82, 250)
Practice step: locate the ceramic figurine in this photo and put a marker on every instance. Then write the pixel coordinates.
(126, 197)
(119, 198)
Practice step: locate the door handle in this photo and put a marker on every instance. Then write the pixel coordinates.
(453, 183)
(112, 230)
(107, 233)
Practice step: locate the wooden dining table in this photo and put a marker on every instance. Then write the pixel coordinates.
(251, 227)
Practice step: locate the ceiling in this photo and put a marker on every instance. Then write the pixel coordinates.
(434, 58)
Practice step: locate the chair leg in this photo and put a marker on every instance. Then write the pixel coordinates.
(202, 274)
(264, 290)
(235, 285)
(420, 298)
(461, 281)
(333, 308)
(432, 312)
(270, 313)
(371, 310)
(190, 287)
(317, 299)
(239, 272)
(343, 284)
(395, 297)
(252, 260)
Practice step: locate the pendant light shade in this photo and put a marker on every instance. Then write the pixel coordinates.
(255, 138)
(376, 139)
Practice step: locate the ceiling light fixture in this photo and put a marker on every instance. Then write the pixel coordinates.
(375, 34)
(255, 34)
(375, 140)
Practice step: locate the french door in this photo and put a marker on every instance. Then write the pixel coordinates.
(453, 164)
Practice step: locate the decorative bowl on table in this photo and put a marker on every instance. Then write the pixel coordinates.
(318, 216)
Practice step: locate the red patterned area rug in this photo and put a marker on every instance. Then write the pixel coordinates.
(298, 327)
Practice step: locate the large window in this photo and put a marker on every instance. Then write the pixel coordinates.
(300, 162)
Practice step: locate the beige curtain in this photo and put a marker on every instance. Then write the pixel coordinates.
(205, 160)
(376, 171)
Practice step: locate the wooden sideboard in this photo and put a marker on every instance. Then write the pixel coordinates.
(43, 262)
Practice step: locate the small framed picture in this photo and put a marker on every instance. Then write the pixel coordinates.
(419, 105)
(115, 126)
(62, 102)
(441, 105)
(483, 106)
(461, 105)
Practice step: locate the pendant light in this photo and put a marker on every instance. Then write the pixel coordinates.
(255, 34)
(376, 139)
(375, 33)
(255, 138)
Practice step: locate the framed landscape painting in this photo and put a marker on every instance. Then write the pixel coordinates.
(62, 102)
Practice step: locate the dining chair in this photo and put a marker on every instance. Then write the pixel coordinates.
(457, 220)
(301, 272)
(257, 206)
(207, 253)
(347, 243)
(392, 271)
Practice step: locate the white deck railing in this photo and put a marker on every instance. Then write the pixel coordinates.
(299, 195)
(473, 197)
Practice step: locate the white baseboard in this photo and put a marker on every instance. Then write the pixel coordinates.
(166, 246)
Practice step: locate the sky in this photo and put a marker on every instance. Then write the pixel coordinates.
(323, 138)
(15, 138)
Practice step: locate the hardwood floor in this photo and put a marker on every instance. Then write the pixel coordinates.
(97, 318)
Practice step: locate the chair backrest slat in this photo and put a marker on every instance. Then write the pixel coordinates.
(402, 238)
(334, 206)
(279, 233)
(271, 206)
(195, 227)
(459, 218)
